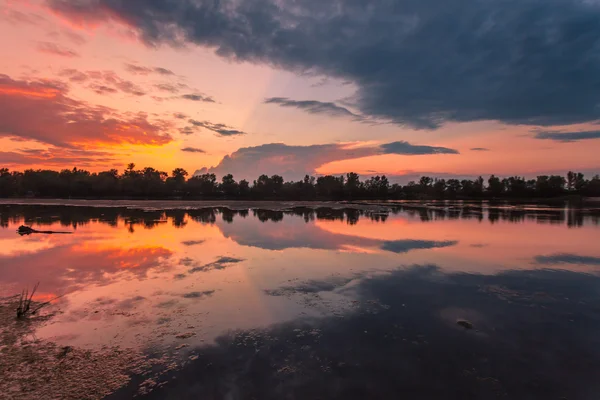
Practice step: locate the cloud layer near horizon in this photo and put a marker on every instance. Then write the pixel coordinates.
(293, 162)
(419, 63)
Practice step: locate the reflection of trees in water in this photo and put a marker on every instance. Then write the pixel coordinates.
(536, 336)
(74, 217)
(573, 217)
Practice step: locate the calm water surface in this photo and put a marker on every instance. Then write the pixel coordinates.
(326, 303)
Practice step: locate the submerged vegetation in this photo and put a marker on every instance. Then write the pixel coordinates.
(151, 183)
(24, 307)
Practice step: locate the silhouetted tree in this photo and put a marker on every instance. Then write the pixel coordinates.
(152, 183)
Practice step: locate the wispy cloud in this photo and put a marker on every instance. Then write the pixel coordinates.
(567, 137)
(198, 97)
(314, 107)
(143, 70)
(192, 150)
(479, 149)
(55, 49)
(219, 129)
(567, 258)
(408, 149)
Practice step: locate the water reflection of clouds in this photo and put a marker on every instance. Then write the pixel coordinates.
(253, 261)
(67, 267)
(535, 336)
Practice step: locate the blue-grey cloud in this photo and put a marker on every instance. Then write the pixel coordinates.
(567, 136)
(314, 107)
(219, 129)
(188, 130)
(404, 246)
(198, 97)
(143, 70)
(406, 148)
(479, 149)
(198, 295)
(293, 162)
(567, 258)
(420, 63)
(220, 263)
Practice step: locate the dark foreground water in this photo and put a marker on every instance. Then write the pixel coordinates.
(324, 304)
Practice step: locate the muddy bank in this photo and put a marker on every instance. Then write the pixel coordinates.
(36, 369)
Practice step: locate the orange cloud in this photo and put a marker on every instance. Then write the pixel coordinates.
(42, 111)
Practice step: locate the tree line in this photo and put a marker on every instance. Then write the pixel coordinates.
(151, 183)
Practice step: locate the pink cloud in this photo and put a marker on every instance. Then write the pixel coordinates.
(55, 49)
(42, 111)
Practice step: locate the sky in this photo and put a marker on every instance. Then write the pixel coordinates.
(396, 87)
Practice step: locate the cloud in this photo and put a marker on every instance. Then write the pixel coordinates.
(41, 110)
(479, 149)
(404, 246)
(142, 70)
(169, 87)
(293, 162)
(55, 49)
(198, 295)
(102, 82)
(567, 137)
(19, 18)
(56, 157)
(408, 149)
(188, 130)
(567, 258)
(313, 107)
(102, 89)
(179, 115)
(193, 150)
(192, 242)
(219, 129)
(74, 75)
(220, 263)
(198, 97)
(420, 63)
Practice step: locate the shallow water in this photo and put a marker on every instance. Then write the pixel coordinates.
(325, 303)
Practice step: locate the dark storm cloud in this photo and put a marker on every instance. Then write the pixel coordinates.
(313, 107)
(219, 129)
(419, 63)
(567, 136)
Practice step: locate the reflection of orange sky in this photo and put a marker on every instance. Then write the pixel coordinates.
(123, 257)
(100, 261)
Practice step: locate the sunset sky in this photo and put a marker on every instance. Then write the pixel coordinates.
(401, 88)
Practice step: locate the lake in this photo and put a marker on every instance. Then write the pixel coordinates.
(291, 301)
